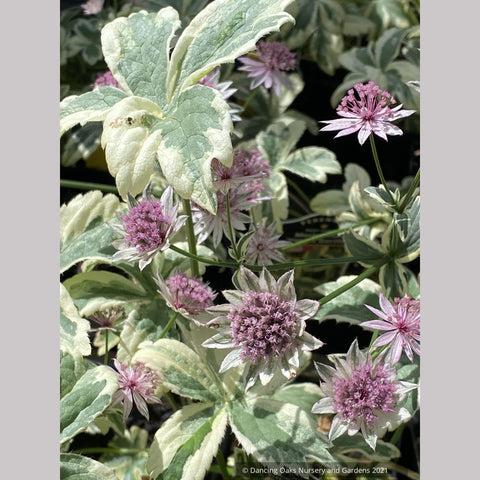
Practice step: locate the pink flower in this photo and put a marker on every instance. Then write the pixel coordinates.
(106, 80)
(367, 112)
(264, 325)
(92, 7)
(364, 394)
(263, 246)
(401, 321)
(187, 295)
(274, 59)
(212, 80)
(136, 385)
(108, 319)
(147, 227)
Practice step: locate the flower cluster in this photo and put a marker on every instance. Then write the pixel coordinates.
(264, 325)
(263, 246)
(401, 321)
(274, 58)
(106, 80)
(137, 385)
(147, 227)
(239, 188)
(367, 109)
(364, 394)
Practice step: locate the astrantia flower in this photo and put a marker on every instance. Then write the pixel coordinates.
(264, 324)
(137, 385)
(369, 111)
(207, 224)
(401, 321)
(248, 171)
(106, 80)
(147, 227)
(364, 395)
(186, 295)
(262, 248)
(274, 59)
(212, 80)
(108, 319)
(92, 7)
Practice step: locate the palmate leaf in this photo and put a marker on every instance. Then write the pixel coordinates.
(183, 448)
(162, 113)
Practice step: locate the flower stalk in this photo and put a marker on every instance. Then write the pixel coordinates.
(192, 244)
(379, 169)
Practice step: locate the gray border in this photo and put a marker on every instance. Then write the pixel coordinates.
(29, 240)
(449, 232)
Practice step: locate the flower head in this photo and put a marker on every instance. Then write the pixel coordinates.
(263, 245)
(92, 7)
(106, 80)
(137, 385)
(274, 59)
(369, 111)
(364, 395)
(147, 227)
(108, 319)
(401, 321)
(212, 80)
(187, 295)
(264, 325)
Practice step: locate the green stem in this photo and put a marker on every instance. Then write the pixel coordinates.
(352, 283)
(230, 228)
(223, 465)
(330, 233)
(397, 434)
(168, 325)
(105, 361)
(379, 168)
(374, 337)
(192, 242)
(300, 192)
(121, 451)
(88, 186)
(403, 470)
(249, 99)
(274, 267)
(409, 193)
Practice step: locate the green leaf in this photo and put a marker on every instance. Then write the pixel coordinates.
(186, 443)
(220, 33)
(345, 446)
(410, 246)
(81, 144)
(73, 328)
(89, 285)
(330, 202)
(128, 466)
(366, 251)
(180, 369)
(88, 107)
(387, 47)
(350, 305)
(279, 432)
(393, 276)
(145, 323)
(195, 130)
(90, 396)
(303, 395)
(410, 372)
(137, 49)
(71, 369)
(313, 163)
(94, 243)
(78, 467)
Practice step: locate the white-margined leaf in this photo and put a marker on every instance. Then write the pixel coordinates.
(184, 446)
(73, 328)
(78, 467)
(90, 396)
